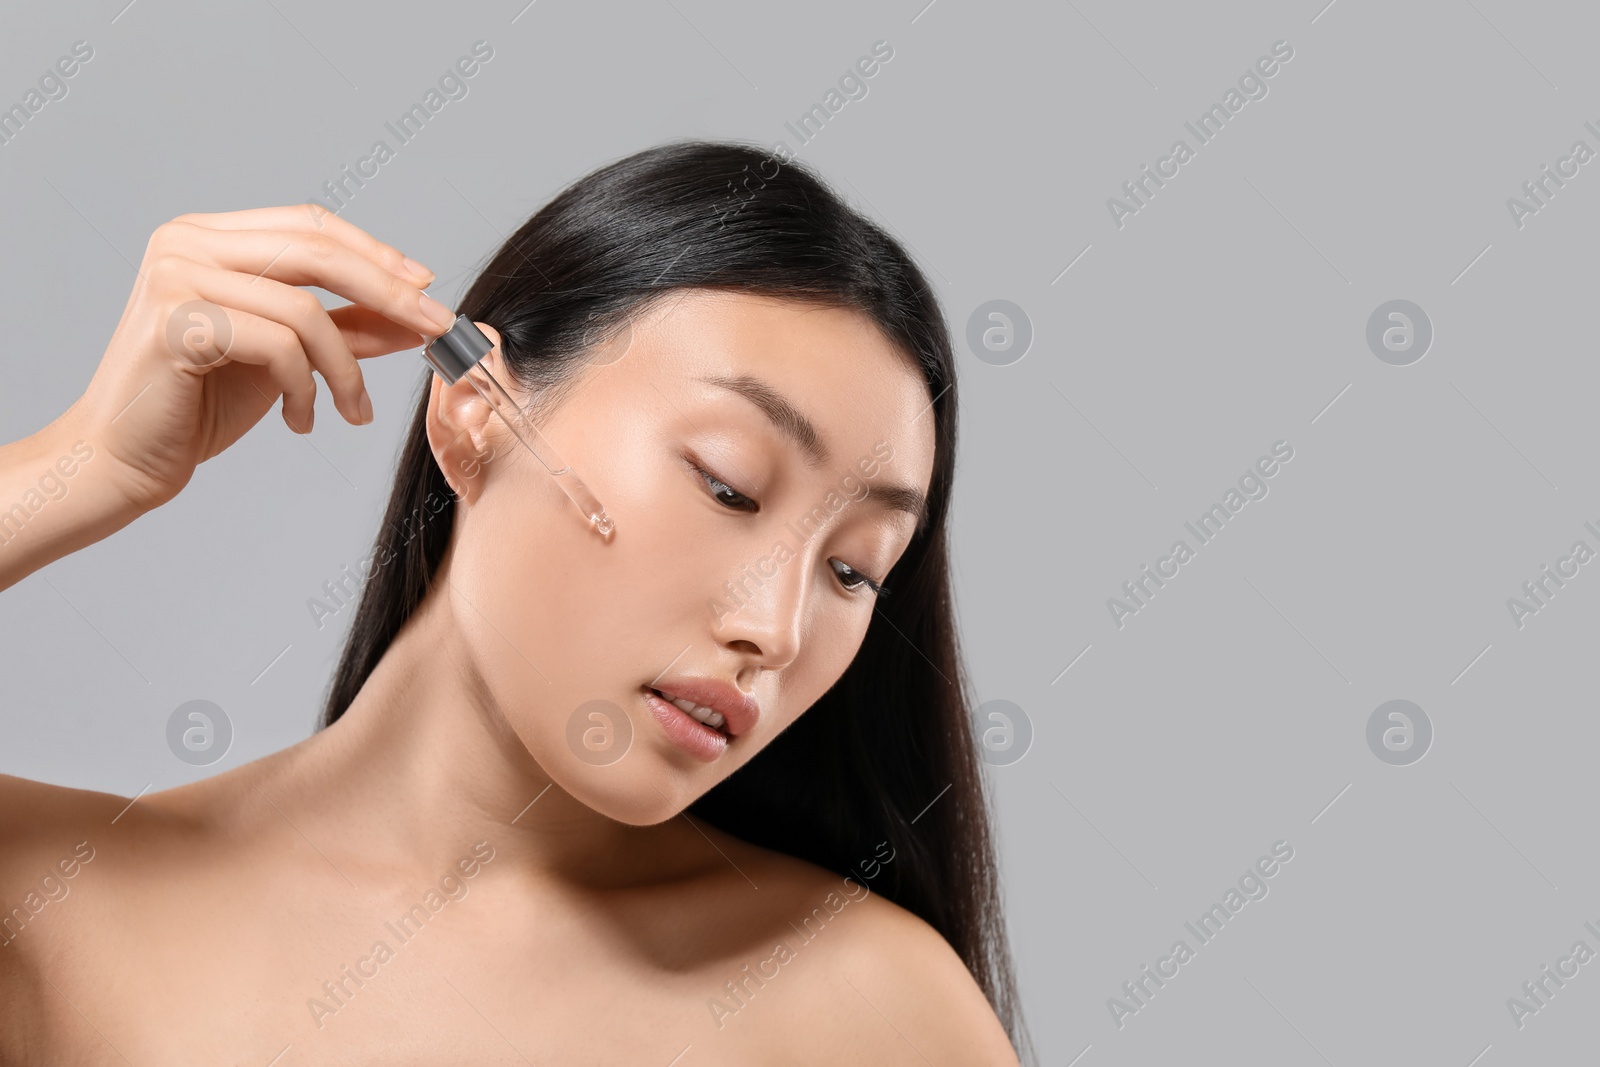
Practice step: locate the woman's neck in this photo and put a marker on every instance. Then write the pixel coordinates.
(422, 766)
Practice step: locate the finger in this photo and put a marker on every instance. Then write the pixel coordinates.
(299, 311)
(309, 217)
(367, 333)
(247, 338)
(309, 258)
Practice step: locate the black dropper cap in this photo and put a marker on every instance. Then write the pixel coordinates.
(458, 349)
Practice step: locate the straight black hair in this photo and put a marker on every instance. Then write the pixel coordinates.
(889, 752)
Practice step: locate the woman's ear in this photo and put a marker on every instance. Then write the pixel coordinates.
(458, 431)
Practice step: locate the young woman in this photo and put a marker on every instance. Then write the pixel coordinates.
(700, 791)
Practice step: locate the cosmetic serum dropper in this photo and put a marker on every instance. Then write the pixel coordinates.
(458, 353)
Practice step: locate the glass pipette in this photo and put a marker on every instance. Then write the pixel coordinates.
(458, 353)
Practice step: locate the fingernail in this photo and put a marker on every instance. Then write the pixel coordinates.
(366, 408)
(418, 269)
(436, 312)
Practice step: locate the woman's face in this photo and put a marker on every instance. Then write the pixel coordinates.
(733, 440)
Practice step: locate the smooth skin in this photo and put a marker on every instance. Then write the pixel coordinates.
(577, 915)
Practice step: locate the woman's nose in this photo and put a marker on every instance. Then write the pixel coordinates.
(764, 610)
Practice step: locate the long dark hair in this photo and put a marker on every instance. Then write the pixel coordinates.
(888, 753)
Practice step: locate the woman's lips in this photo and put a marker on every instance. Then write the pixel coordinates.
(684, 730)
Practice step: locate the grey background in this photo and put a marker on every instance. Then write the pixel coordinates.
(1226, 315)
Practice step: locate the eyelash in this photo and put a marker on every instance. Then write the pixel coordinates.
(712, 482)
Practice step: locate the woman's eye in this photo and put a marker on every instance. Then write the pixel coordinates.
(724, 493)
(861, 580)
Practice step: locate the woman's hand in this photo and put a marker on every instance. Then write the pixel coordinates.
(217, 328)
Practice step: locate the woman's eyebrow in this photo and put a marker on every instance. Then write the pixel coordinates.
(790, 420)
(793, 424)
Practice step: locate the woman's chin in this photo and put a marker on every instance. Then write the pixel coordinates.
(645, 792)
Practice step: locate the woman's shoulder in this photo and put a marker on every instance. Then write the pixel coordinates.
(50, 835)
(869, 974)
(37, 818)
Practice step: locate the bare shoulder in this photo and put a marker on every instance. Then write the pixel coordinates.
(47, 839)
(911, 978)
(37, 820)
(869, 977)
(48, 835)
